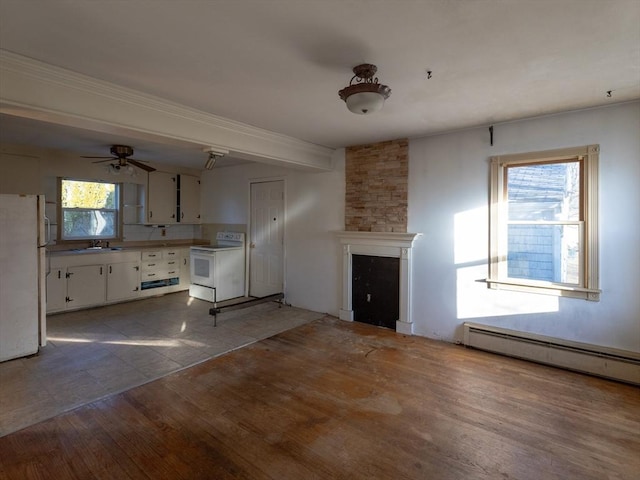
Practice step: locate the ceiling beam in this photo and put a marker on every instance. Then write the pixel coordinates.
(29, 88)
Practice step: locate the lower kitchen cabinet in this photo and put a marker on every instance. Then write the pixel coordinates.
(123, 281)
(56, 289)
(89, 280)
(85, 286)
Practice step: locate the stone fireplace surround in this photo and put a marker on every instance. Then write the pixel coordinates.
(381, 244)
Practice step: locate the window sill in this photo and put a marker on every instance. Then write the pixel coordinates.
(551, 289)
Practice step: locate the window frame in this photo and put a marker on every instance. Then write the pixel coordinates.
(118, 212)
(588, 287)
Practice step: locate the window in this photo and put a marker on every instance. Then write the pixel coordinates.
(544, 222)
(89, 210)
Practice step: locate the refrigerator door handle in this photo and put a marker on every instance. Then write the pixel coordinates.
(47, 222)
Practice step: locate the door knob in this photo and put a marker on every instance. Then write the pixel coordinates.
(252, 245)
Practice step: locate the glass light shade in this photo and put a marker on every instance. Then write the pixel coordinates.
(364, 103)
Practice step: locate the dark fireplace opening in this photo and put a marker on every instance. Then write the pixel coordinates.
(375, 292)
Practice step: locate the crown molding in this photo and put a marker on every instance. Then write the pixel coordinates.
(38, 90)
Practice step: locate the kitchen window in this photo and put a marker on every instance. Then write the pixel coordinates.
(89, 210)
(544, 222)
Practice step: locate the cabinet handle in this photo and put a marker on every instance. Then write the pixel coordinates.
(181, 215)
(59, 273)
(100, 270)
(110, 271)
(150, 214)
(152, 265)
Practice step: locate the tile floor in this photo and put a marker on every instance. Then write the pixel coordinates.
(94, 353)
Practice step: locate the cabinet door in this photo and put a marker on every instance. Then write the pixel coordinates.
(189, 199)
(161, 205)
(123, 281)
(57, 290)
(86, 286)
(185, 268)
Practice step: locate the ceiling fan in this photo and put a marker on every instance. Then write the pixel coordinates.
(121, 153)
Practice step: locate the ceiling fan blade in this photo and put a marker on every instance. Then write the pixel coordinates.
(141, 165)
(85, 156)
(19, 155)
(106, 159)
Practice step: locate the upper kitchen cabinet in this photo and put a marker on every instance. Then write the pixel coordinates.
(189, 199)
(173, 198)
(162, 197)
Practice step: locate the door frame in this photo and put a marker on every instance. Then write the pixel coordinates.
(251, 181)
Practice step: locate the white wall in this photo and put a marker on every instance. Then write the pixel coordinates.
(314, 207)
(448, 199)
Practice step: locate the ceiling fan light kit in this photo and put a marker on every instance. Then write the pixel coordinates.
(121, 153)
(364, 95)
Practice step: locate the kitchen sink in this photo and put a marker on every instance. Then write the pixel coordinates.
(96, 249)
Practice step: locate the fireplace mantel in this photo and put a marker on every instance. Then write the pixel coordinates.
(381, 244)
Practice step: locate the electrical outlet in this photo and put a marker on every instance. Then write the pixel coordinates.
(163, 232)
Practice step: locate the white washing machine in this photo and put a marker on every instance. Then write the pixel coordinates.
(218, 271)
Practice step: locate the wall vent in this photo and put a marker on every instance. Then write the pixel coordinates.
(605, 362)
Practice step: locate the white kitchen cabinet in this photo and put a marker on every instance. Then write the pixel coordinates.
(70, 288)
(185, 268)
(87, 280)
(189, 199)
(123, 281)
(160, 271)
(85, 286)
(162, 198)
(56, 289)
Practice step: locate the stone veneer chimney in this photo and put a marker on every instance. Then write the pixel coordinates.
(376, 187)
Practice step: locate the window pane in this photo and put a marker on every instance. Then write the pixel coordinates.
(544, 252)
(79, 194)
(89, 223)
(548, 191)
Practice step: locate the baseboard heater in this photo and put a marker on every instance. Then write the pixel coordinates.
(605, 362)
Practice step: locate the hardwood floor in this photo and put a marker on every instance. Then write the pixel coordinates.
(338, 400)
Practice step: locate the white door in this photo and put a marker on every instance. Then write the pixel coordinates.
(266, 246)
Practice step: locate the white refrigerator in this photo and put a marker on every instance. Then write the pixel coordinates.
(22, 275)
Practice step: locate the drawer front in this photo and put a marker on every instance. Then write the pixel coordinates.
(159, 274)
(169, 254)
(151, 255)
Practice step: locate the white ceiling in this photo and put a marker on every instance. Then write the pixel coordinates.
(278, 64)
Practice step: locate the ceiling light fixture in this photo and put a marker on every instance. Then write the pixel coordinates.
(214, 154)
(364, 95)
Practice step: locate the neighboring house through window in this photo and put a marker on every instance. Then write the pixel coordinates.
(89, 210)
(544, 222)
